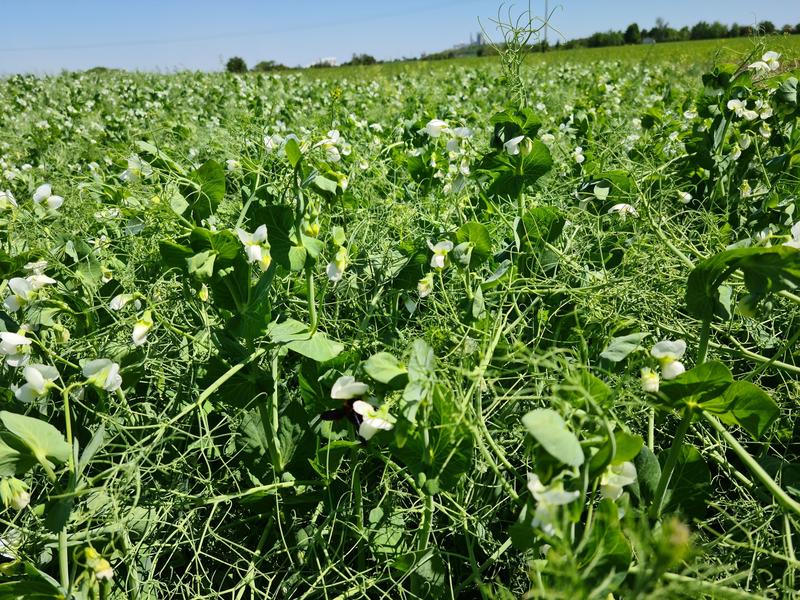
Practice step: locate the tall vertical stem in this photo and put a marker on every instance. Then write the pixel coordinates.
(669, 466)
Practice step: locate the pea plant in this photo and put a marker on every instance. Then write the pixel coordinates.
(528, 330)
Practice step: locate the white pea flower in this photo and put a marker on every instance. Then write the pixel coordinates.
(615, 478)
(38, 280)
(548, 138)
(623, 210)
(512, 145)
(739, 107)
(650, 380)
(22, 292)
(256, 246)
(346, 388)
(100, 566)
(548, 499)
(795, 241)
(15, 347)
(273, 142)
(578, 156)
(440, 251)
(232, 164)
(142, 328)
(119, 301)
(44, 193)
(103, 373)
(372, 420)
(7, 200)
(601, 192)
(435, 127)
(765, 130)
(137, 169)
(769, 62)
(425, 285)
(14, 493)
(462, 132)
(668, 354)
(38, 381)
(336, 267)
(36, 267)
(685, 197)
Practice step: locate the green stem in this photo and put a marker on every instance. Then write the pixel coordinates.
(63, 549)
(702, 348)
(672, 460)
(423, 536)
(752, 464)
(312, 300)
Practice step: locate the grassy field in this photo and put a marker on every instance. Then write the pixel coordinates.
(424, 330)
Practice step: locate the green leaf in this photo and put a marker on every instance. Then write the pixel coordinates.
(223, 243)
(766, 270)
(746, 405)
(607, 550)
(444, 454)
(293, 152)
(476, 234)
(550, 430)
(45, 441)
(174, 255)
(787, 93)
(701, 384)
(201, 265)
(296, 336)
(620, 347)
(208, 191)
(540, 225)
(287, 331)
(318, 347)
(384, 367)
(325, 184)
(161, 157)
(691, 484)
(421, 377)
(15, 458)
(648, 472)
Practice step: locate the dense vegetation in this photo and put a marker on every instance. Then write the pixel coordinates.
(484, 330)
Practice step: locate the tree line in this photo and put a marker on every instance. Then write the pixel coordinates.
(633, 34)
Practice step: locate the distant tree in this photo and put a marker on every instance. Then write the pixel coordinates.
(701, 31)
(718, 30)
(265, 66)
(633, 34)
(735, 30)
(787, 28)
(361, 59)
(766, 27)
(797, 28)
(236, 65)
(608, 38)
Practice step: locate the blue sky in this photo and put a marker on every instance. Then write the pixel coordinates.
(45, 36)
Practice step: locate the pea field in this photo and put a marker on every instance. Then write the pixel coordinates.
(493, 328)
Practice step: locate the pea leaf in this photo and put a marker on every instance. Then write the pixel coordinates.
(478, 236)
(550, 430)
(293, 152)
(45, 441)
(701, 384)
(766, 270)
(746, 405)
(620, 347)
(384, 367)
